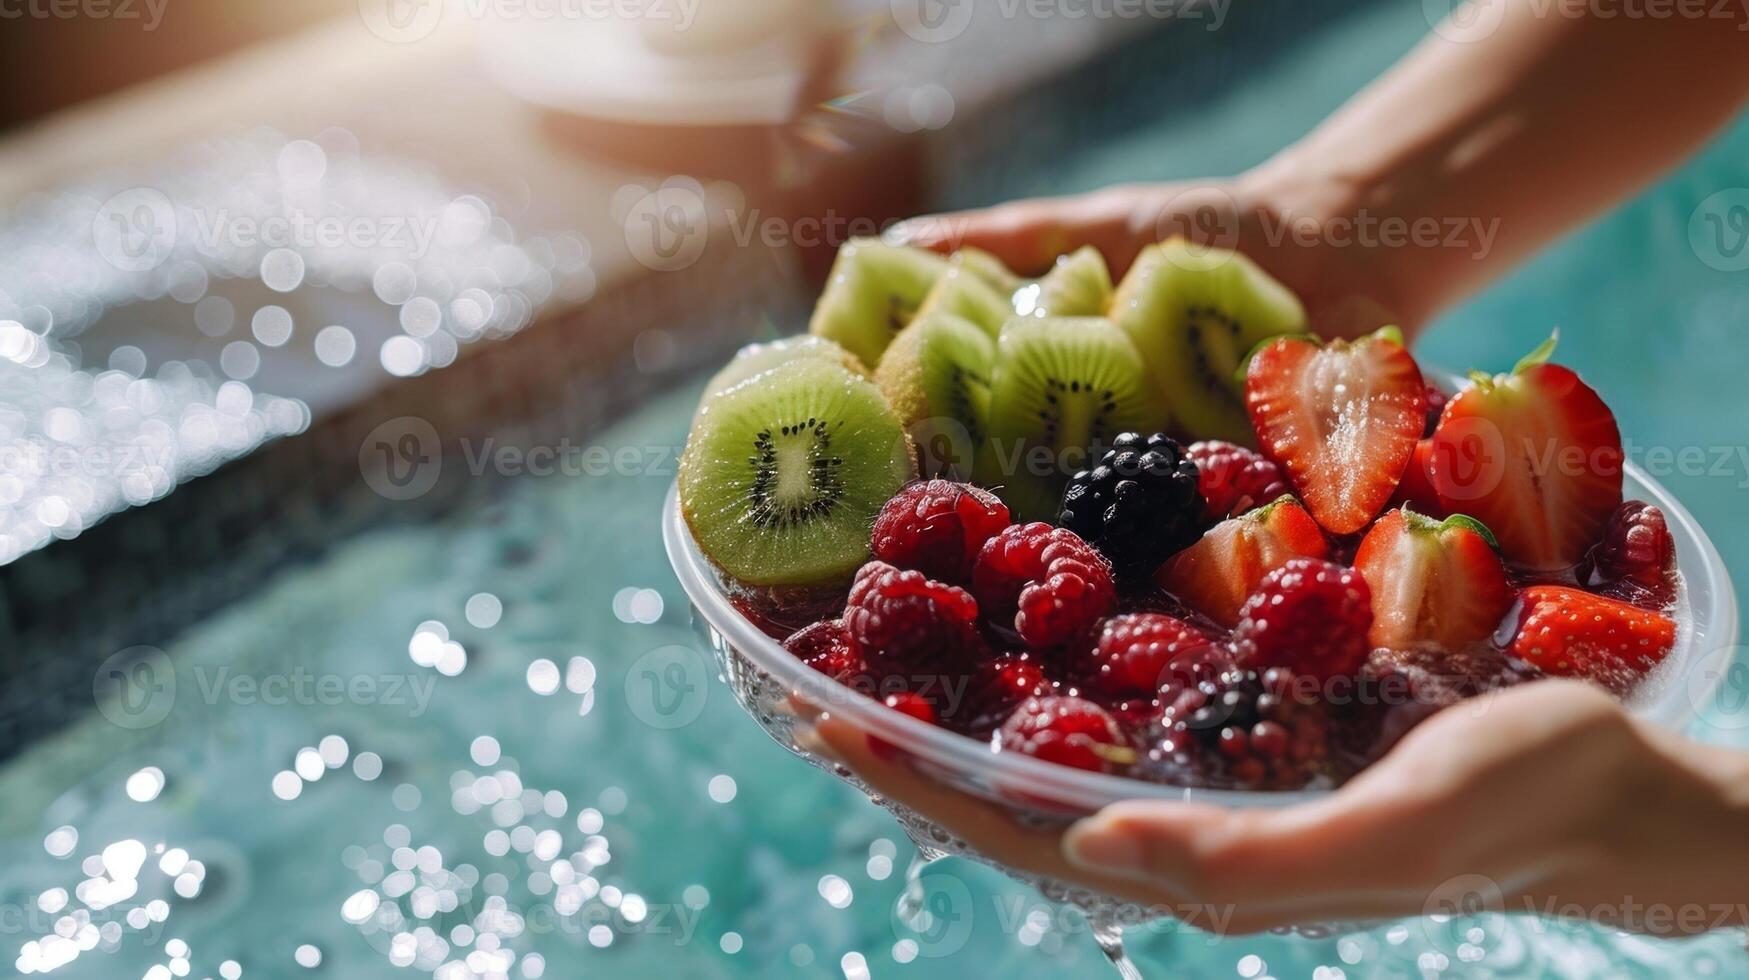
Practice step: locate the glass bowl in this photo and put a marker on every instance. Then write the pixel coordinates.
(763, 676)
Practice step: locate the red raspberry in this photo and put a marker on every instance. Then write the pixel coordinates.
(1137, 654)
(1051, 585)
(825, 646)
(994, 689)
(1069, 731)
(937, 528)
(1308, 615)
(1234, 480)
(904, 623)
(1636, 560)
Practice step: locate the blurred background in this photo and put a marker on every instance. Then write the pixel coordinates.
(345, 351)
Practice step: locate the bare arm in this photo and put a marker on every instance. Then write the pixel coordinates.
(1481, 146)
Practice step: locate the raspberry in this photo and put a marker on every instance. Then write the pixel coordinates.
(937, 528)
(902, 622)
(1234, 480)
(1069, 731)
(1636, 560)
(1137, 654)
(825, 646)
(1399, 689)
(1309, 615)
(1045, 581)
(1243, 730)
(994, 689)
(1139, 506)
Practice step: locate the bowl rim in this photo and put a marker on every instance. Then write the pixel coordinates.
(1671, 701)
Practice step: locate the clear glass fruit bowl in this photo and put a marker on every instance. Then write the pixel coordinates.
(763, 677)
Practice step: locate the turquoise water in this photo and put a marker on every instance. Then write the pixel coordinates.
(696, 847)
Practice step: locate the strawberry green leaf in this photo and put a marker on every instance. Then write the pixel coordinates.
(1540, 356)
(1469, 523)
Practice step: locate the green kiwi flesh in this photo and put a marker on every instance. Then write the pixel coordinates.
(758, 358)
(873, 292)
(967, 295)
(1078, 285)
(936, 375)
(1195, 314)
(1061, 389)
(784, 473)
(988, 268)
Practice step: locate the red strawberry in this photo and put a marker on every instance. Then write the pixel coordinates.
(1217, 574)
(1536, 456)
(1432, 582)
(1416, 491)
(1573, 633)
(1342, 418)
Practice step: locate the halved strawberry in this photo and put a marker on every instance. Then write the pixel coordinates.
(1342, 418)
(1217, 574)
(1536, 456)
(1432, 581)
(1574, 633)
(1416, 491)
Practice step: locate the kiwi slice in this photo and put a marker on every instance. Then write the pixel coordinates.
(1195, 314)
(966, 295)
(873, 293)
(755, 359)
(988, 268)
(782, 477)
(936, 375)
(1078, 285)
(1061, 390)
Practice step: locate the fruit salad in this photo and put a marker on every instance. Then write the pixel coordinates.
(1161, 528)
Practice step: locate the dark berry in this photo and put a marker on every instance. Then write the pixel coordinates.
(825, 646)
(1436, 400)
(1308, 615)
(1138, 654)
(1139, 506)
(1243, 730)
(904, 623)
(1399, 689)
(1234, 480)
(995, 688)
(1044, 582)
(1069, 731)
(937, 527)
(1636, 559)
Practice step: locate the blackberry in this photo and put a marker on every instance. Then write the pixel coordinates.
(1243, 730)
(1139, 506)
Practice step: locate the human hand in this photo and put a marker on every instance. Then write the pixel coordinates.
(1289, 226)
(1544, 798)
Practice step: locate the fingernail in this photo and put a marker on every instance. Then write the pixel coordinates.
(809, 740)
(1098, 846)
